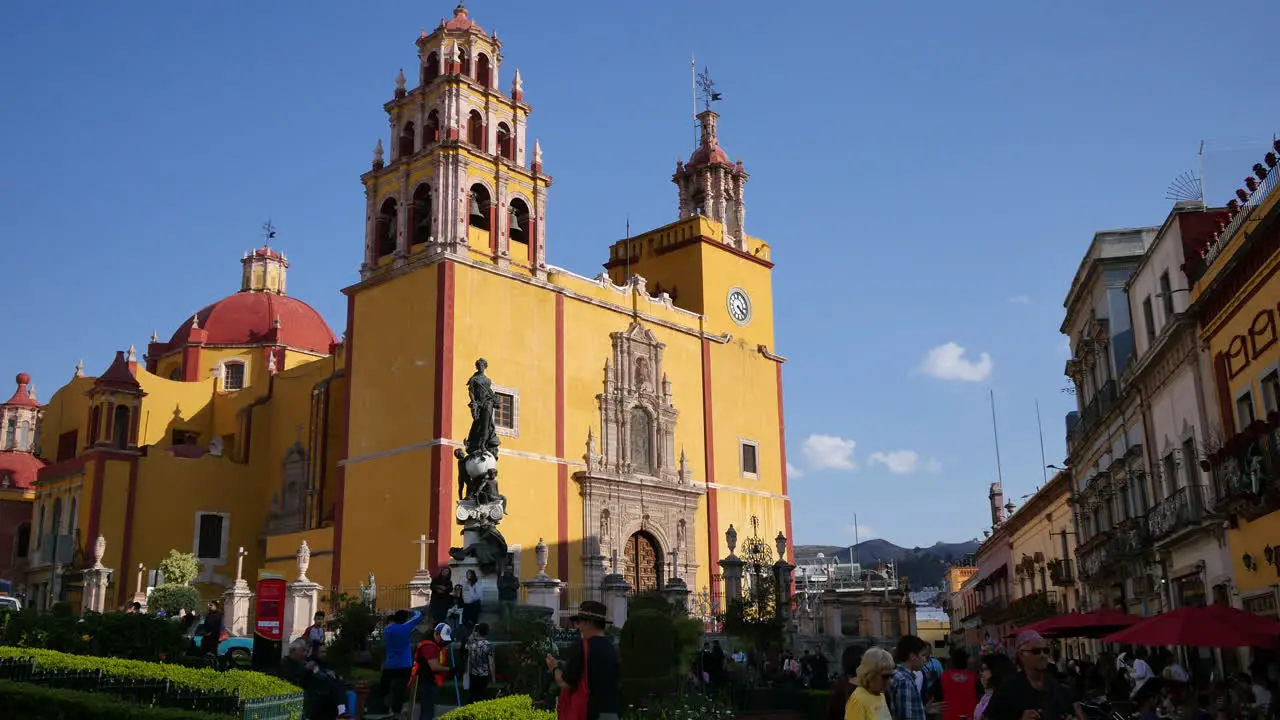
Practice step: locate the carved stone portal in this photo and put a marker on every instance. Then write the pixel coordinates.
(289, 506)
(634, 486)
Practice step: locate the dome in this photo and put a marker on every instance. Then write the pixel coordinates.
(20, 468)
(249, 318)
(22, 395)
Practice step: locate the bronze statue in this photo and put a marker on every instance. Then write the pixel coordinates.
(484, 434)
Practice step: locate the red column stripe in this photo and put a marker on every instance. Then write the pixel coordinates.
(441, 461)
(340, 482)
(708, 442)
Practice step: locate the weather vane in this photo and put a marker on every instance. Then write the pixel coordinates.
(268, 232)
(707, 88)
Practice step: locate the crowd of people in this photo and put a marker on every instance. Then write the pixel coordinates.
(910, 684)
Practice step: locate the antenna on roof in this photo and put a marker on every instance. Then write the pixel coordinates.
(1185, 187)
(1044, 465)
(693, 75)
(996, 432)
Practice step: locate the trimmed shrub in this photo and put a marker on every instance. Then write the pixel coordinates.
(172, 598)
(250, 685)
(513, 707)
(114, 634)
(650, 650)
(36, 702)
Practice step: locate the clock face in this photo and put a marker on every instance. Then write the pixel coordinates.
(739, 306)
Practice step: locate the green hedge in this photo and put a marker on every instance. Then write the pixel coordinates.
(250, 685)
(36, 702)
(136, 636)
(514, 707)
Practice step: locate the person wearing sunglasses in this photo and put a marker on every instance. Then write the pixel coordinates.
(867, 700)
(1032, 693)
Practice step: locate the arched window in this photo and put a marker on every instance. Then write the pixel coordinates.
(464, 61)
(420, 217)
(11, 435)
(55, 523)
(22, 540)
(120, 427)
(506, 144)
(233, 375)
(24, 436)
(431, 130)
(95, 424)
(176, 373)
(431, 68)
(73, 520)
(641, 440)
(385, 228)
(699, 203)
(484, 74)
(475, 129)
(407, 137)
(518, 226)
(478, 216)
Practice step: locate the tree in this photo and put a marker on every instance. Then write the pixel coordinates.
(179, 568)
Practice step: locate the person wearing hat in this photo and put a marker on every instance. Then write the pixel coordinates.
(590, 679)
(1032, 693)
(430, 669)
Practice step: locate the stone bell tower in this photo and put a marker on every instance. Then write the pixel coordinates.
(712, 186)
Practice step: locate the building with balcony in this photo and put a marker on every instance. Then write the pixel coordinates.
(1168, 376)
(987, 590)
(1235, 298)
(1039, 532)
(1105, 435)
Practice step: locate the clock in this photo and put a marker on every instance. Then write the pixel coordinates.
(739, 306)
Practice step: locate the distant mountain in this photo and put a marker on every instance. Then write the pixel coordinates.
(923, 566)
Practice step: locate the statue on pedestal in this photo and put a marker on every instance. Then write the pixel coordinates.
(480, 506)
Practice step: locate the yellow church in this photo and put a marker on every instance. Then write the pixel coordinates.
(639, 411)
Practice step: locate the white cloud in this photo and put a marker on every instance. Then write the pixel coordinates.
(903, 462)
(948, 362)
(793, 471)
(1020, 299)
(829, 452)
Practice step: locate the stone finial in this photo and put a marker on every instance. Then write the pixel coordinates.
(133, 354)
(685, 471)
(377, 154)
(304, 562)
(99, 549)
(400, 81)
(540, 553)
(517, 84)
(155, 336)
(271, 363)
(537, 152)
(31, 391)
(731, 538)
(240, 563)
(275, 322)
(422, 35)
(195, 322)
(79, 369)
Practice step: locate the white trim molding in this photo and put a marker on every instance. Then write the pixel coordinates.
(514, 394)
(743, 444)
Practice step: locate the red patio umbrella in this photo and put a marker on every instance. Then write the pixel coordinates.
(1087, 624)
(1211, 626)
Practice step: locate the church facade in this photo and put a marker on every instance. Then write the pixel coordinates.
(639, 411)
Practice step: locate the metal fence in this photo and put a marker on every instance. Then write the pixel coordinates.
(152, 693)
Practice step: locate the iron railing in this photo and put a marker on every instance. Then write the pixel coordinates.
(1256, 198)
(1062, 572)
(1186, 506)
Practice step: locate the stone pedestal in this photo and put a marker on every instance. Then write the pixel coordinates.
(593, 576)
(420, 589)
(94, 598)
(301, 601)
(782, 584)
(677, 593)
(140, 593)
(543, 591)
(235, 604)
(731, 572)
(832, 617)
(614, 590)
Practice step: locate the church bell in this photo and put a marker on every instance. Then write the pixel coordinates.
(515, 222)
(477, 213)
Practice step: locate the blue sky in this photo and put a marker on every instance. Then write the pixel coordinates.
(927, 173)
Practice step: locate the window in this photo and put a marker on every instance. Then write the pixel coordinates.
(23, 540)
(184, 437)
(749, 454)
(1271, 392)
(386, 229)
(1244, 410)
(1166, 296)
(11, 435)
(506, 411)
(232, 376)
(1168, 483)
(176, 373)
(1149, 320)
(120, 425)
(478, 215)
(1190, 464)
(211, 530)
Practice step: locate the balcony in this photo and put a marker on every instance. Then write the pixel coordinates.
(1185, 508)
(1062, 573)
(1246, 472)
(1033, 607)
(992, 610)
(1093, 412)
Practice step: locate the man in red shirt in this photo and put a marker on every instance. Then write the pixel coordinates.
(959, 687)
(430, 668)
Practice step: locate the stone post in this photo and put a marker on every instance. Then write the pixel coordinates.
(831, 614)
(614, 591)
(542, 589)
(782, 579)
(140, 594)
(96, 579)
(235, 602)
(677, 593)
(301, 600)
(420, 585)
(731, 568)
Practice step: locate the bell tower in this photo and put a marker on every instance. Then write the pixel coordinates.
(711, 186)
(455, 177)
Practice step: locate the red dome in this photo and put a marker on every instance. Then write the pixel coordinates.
(21, 396)
(248, 318)
(20, 467)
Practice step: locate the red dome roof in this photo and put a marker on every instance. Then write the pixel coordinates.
(248, 318)
(21, 467)
(21, 396)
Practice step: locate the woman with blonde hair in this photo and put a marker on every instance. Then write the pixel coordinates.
(874, 673)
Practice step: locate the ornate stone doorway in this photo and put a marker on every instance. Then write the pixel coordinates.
(643, 558)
